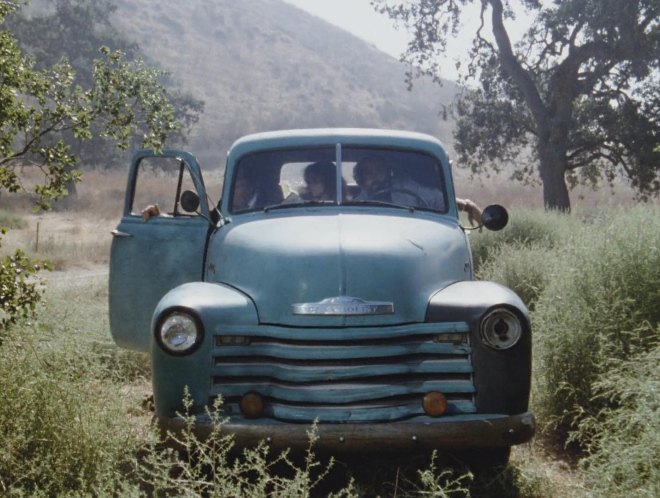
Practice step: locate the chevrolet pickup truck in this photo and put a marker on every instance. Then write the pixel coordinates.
(358, 310)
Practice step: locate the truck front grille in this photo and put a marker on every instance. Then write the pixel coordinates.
(358, 374)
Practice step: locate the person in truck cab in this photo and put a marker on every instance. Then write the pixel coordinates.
(320, 178)
(377, 182)
(320, 184)
(252, 192)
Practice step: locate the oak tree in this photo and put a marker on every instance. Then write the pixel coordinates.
(575, 100)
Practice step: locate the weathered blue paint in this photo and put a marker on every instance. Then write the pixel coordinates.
(172, 375)
(344, 333)
(296, 373)
(293, 352)
(241, 273)
(366, 414)
(332, 252)
(151, 258)
(503, 377)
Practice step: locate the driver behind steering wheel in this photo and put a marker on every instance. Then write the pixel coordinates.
(376, 181)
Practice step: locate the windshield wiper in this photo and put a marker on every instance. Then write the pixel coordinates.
(373, 202)
(297, 204)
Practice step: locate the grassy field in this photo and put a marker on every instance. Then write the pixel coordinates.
(76, 416)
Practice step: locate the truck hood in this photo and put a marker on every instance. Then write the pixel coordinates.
(290, 263)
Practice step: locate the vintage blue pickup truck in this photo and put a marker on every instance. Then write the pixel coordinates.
(332, 282)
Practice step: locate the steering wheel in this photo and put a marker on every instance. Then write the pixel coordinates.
(390, 190)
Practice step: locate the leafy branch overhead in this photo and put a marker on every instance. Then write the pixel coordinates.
(576, 99)
(45, 30)
(37, 106)
(126, 97)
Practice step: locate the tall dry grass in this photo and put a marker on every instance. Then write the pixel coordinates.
(593, 287)
(75, 422)
(62, 419)
(590, 279)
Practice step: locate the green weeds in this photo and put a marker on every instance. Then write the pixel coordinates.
(624, 437)
(76, 422)
(593, 287)
(75, 418)
(600, 307)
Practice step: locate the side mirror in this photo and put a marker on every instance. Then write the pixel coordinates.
(189, 201)
(494, 217)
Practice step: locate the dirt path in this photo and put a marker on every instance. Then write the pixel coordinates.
(74, 274)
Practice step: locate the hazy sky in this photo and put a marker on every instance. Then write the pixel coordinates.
(359, 18)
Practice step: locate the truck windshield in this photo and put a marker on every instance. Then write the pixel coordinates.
(333, 176)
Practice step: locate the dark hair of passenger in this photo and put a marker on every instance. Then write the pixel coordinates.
(323, 172)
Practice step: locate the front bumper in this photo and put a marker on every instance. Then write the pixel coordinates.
(457, 432)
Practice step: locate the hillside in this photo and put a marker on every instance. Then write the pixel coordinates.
(264, 64)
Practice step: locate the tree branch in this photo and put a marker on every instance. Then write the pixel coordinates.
(576, 30)
(514, 69)
(482, 23)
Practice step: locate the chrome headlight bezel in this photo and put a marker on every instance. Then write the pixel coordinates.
(179, 332)
(501, 329)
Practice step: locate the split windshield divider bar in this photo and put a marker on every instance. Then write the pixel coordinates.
(339, 176)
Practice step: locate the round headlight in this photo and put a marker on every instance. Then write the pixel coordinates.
(179, 333)
(501, 329)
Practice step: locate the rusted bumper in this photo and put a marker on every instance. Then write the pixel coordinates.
(491, 431)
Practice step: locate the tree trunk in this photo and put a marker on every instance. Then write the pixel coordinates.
(551, 120)
(552, 169)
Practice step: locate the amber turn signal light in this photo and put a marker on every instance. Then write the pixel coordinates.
(434, 403)
(252, 405)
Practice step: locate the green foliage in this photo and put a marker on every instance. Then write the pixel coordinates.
(65, 430)
(118, 84)
(442, 482)
(525, 269)
(592, 284)
(47, 35)
(212, 467)
(625, 436)
(599, 307)
(526, 228)
(39, 104)
(69, 427)
(578, 92)
(20, 291)
(523, 255)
